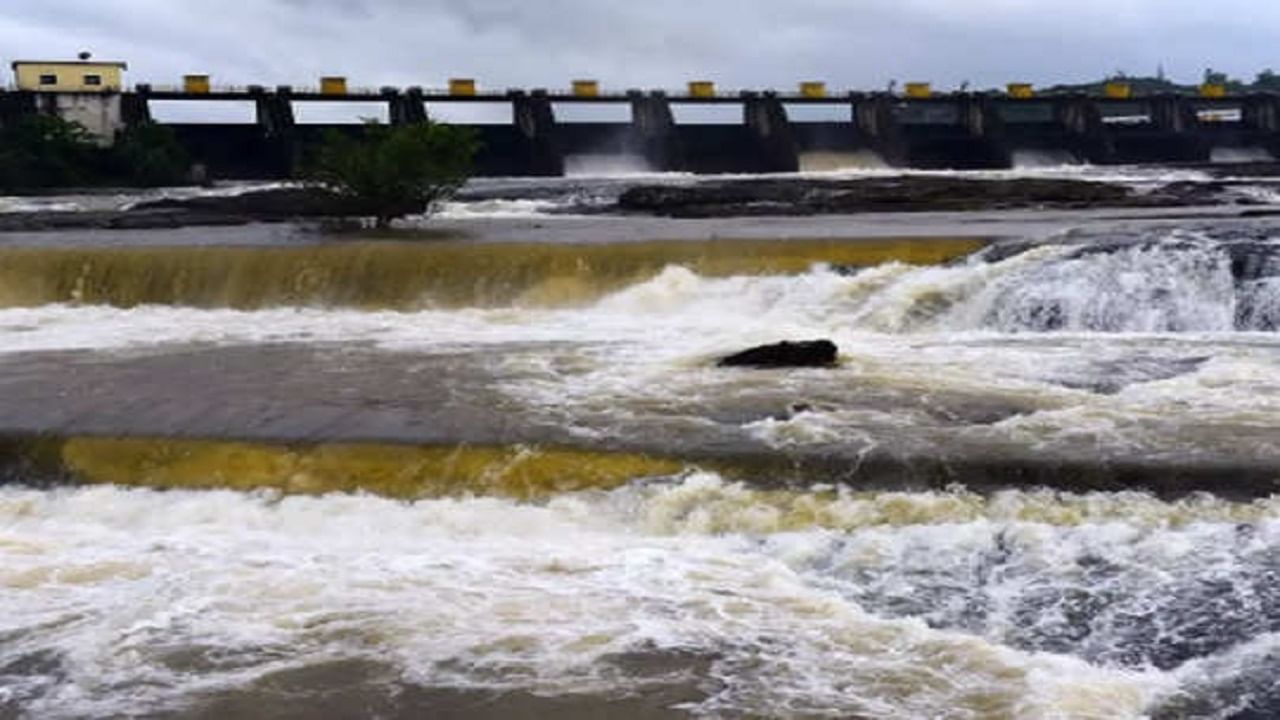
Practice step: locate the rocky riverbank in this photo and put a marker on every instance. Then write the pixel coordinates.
(707, 198)
(272, 205)
(914, 193)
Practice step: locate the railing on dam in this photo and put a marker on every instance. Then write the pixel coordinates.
(373, 94)
(918, 127)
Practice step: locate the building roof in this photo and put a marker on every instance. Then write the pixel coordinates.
(87, 63)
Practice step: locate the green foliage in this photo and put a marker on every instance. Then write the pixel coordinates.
(1213, 77)
(43, 151)
(397, 171)
(149, 155)
(1267, 80)
(1160, 85)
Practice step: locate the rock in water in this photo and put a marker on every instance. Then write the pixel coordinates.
(818, 353)
(274, 204)
(757, 197)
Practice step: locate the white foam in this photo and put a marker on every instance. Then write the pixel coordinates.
(1141, 176)
(38, 204)
(1240, 155)
(1145, 288)
(493, 209)
(1040, 159)
(606, 165)
(488, 593)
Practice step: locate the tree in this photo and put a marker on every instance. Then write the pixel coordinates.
(392, 172)
(1267, 80)
(43, 151)
(1213, 77)
(149, 155)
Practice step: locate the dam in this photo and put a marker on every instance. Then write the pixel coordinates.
(768, 131)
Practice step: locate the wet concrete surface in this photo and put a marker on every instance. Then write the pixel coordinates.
(280, 392)
(353, 688)
(355, 394)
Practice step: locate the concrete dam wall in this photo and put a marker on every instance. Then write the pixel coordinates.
(773, 132)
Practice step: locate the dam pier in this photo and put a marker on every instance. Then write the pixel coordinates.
(700, 130)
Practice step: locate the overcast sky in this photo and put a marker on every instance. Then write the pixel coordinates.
(650, 43)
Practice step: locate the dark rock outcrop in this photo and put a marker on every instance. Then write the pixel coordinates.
(113, 220)
(818, 353)
(791, 196)
(255, 206)
(275, 204)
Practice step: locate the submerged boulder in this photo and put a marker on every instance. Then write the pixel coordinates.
(816, 353)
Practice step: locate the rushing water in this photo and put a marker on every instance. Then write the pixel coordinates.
(736, 602)
(667, 545)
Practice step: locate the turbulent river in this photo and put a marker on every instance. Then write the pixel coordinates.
(500, 479)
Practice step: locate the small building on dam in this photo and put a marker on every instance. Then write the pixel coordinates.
(537, 132)
(85, 91)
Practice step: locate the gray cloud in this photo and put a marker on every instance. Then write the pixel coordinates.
(658, 43)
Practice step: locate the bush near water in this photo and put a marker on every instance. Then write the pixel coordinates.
(396, 171)
(384, 172)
